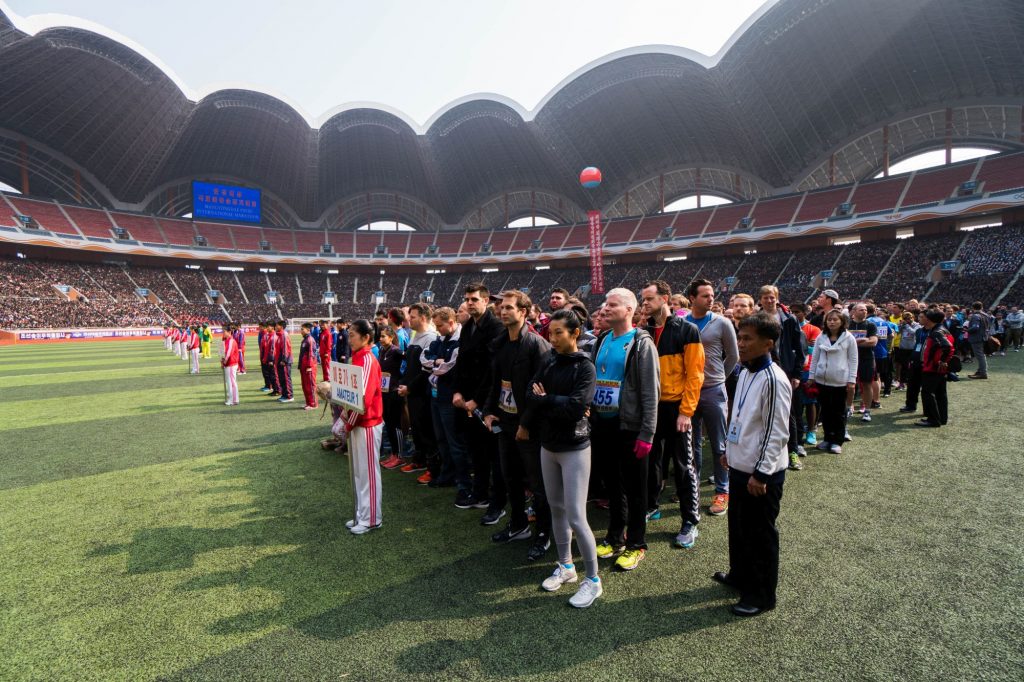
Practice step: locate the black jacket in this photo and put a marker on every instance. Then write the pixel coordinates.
(517, 362)
(569, 382)
(473, 369)
(415, 378)
(791, 350)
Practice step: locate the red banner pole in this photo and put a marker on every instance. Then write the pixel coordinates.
(596, 258)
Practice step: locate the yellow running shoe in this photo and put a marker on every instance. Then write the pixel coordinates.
(605, 550)
(630, 559)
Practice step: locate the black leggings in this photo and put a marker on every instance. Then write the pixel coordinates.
(832, 412)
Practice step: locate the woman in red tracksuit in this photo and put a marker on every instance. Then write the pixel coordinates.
(364, 433)
(307, 366)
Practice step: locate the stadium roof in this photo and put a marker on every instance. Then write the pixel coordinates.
(798, 81)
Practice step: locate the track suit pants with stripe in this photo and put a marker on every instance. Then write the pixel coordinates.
(364, 461)
(672, 446)
(231, 384)
(284, 379)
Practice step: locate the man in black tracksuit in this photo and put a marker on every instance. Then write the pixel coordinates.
(473, 372)
(518, 356)
(790, 352)
(415, 387)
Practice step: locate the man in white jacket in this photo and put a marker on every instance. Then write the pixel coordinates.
(756, 454)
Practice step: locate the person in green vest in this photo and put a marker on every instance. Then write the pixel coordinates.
(205, 337)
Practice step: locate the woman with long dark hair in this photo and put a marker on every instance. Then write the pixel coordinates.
(364, 433)
(564, 387)
(834, 372)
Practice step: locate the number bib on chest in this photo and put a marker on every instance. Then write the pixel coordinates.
(507, 400)
(606, 396)
(385, 382)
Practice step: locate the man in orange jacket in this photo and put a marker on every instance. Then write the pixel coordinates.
(681, 360)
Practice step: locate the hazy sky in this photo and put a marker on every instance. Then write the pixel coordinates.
(415, 56)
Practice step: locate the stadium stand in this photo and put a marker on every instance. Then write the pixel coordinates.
(47, 215)
(92, 223)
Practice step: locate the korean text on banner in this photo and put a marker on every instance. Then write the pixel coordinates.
(596, 257)
(347, 386)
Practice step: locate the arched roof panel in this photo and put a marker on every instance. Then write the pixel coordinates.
(795, 81)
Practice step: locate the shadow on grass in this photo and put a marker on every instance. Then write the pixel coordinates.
(424, 571)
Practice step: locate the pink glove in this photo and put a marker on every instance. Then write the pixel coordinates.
(641, 449)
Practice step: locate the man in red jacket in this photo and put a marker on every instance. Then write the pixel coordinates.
(935, 357)
(193, 350)
(283, 362)
(307, 366)
(326, 347)
(230, 364)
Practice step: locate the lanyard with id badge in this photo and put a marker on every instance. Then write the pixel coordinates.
(737, 422)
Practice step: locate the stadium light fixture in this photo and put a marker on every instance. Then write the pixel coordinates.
(673, 259)
(271, 270)
(542, 267)
(382, 272)
(20, 254)
(192, 267)
(332, 272)
(488, 269)
(749, 252)
(436, 272)
(229, 268)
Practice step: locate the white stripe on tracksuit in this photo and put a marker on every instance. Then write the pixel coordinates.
(363, 448)
(231, 384)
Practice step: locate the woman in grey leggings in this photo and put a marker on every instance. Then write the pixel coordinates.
(563, 390)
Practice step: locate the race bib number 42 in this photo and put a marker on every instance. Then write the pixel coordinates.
(506, 399)
(606, 396)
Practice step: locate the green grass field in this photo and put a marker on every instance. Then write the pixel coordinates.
(149, 532)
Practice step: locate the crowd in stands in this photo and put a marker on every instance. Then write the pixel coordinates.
(989, 260)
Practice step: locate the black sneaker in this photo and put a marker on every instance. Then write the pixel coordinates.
(508, 534)
(492, 517)
(876, 405)
(908, 408)
(465, 500)
(481, 503)
(541, 545)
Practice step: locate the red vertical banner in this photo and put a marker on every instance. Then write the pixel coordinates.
(596, 258)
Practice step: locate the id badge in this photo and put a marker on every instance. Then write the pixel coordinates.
(606, 396)
(506, 399)
(734, 432)
(385, 382)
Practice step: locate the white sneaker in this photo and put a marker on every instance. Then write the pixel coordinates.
(836, 450)
(866, 417)
(229, 404)
(588, 592)
(360, 529)
(561, 576)
(350, 523)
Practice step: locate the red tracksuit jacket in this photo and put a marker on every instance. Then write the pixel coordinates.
(307, 353)
(282, 347)
(230, 352)
(325, 345)
(373, 403)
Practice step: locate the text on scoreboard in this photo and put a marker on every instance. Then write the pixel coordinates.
(225, 202)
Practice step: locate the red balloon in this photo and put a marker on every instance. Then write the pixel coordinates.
(590, 177)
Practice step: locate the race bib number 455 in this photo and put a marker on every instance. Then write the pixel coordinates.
(606, 396)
